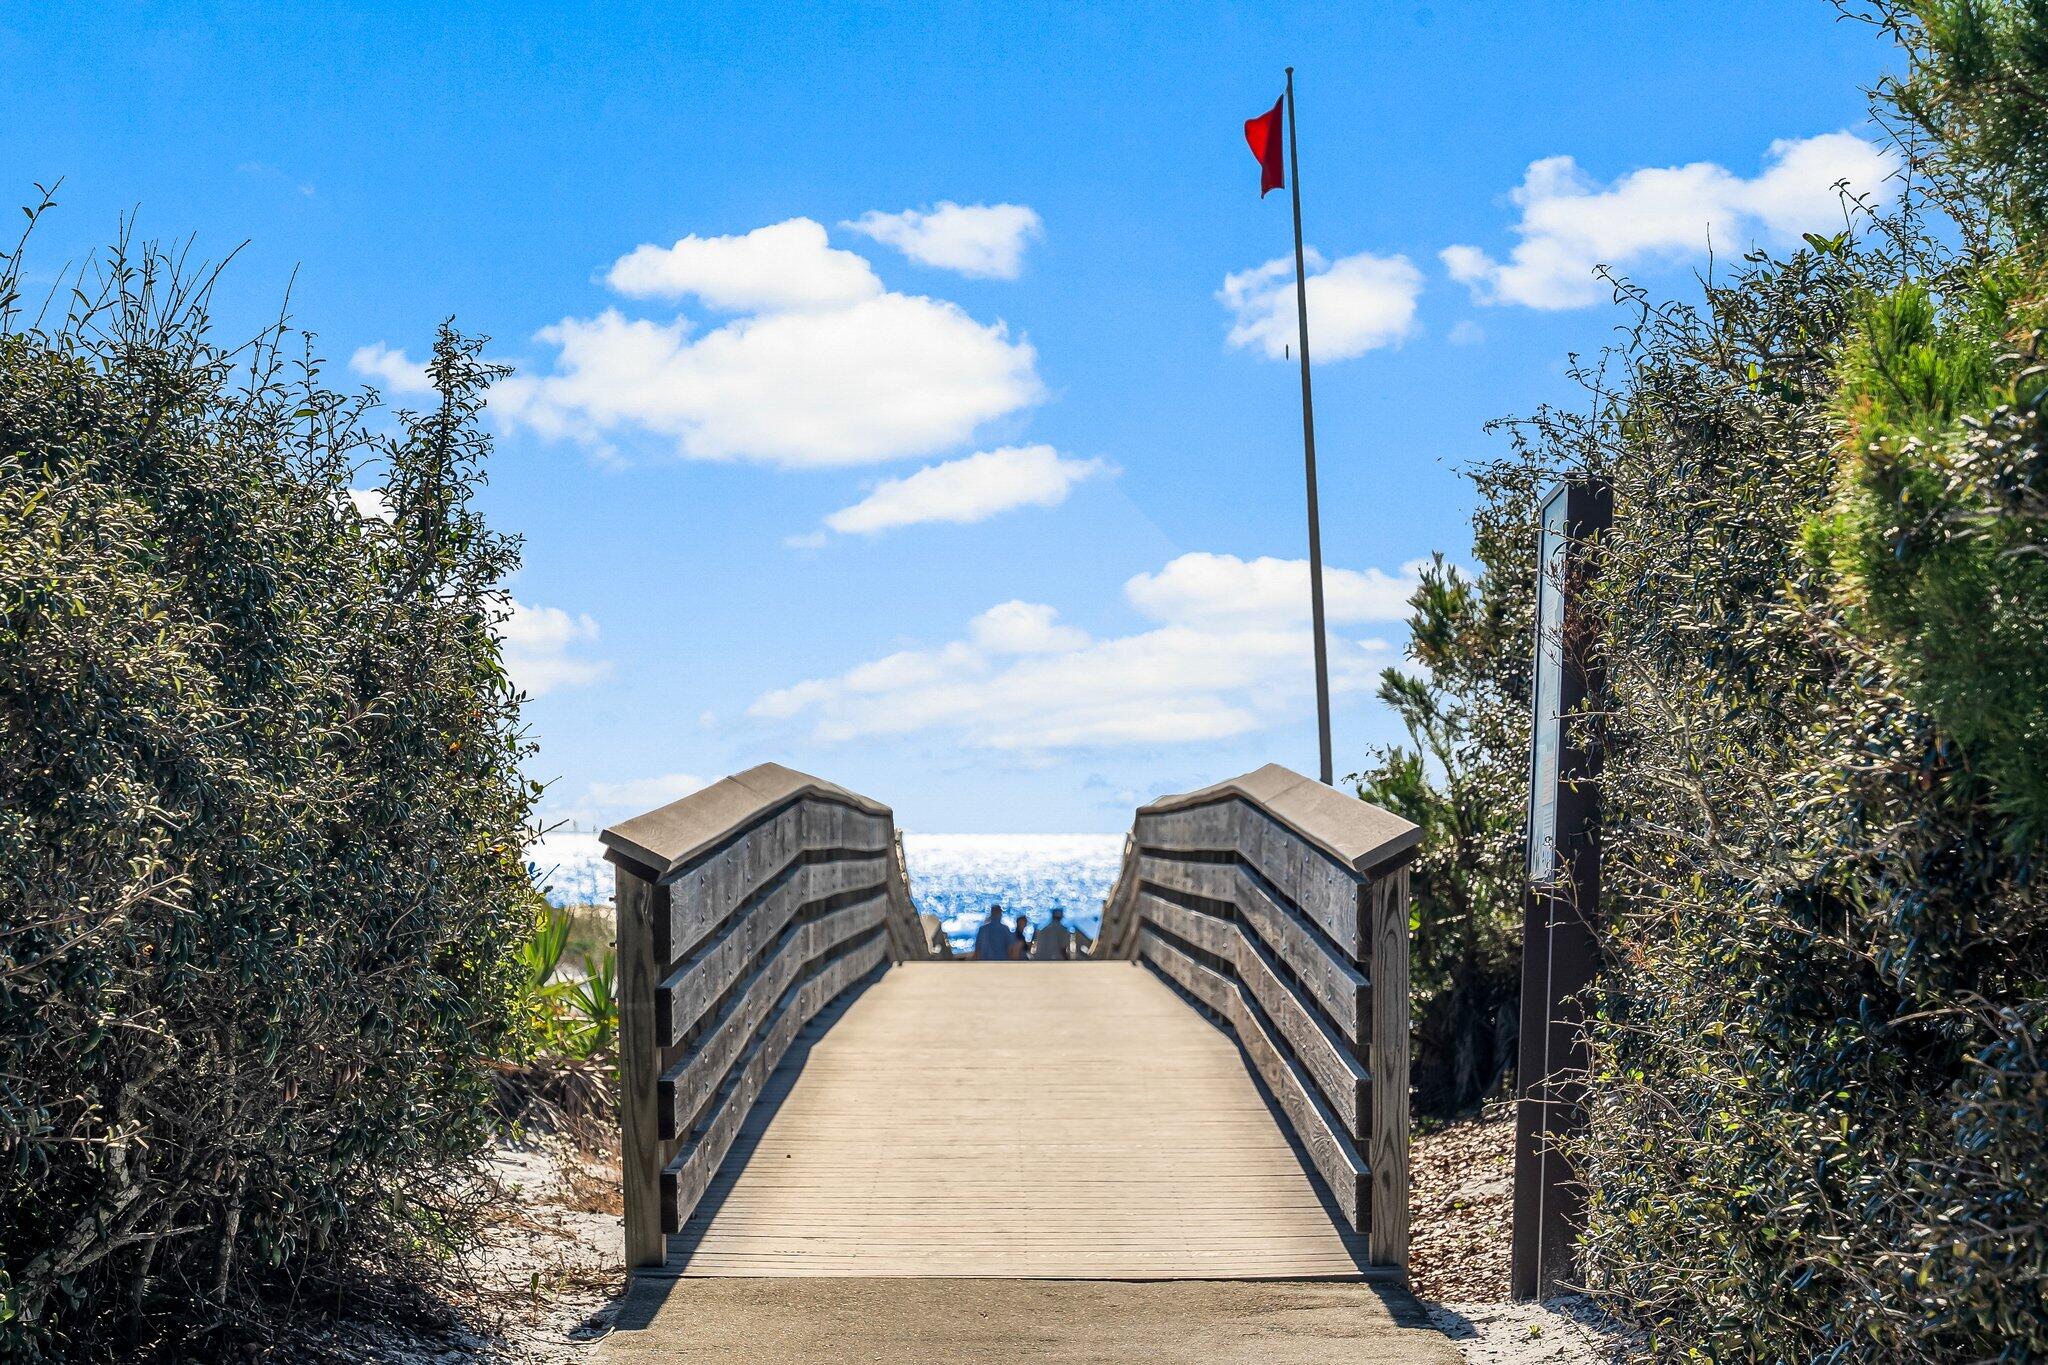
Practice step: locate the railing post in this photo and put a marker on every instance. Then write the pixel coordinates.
(639, 1069)
(1387, 1240)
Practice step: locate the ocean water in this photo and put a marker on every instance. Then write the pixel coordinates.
(569, 868)
(957, 876)
(953, 876)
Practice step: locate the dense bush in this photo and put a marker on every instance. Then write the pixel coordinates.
(261, 822)
(1828, 938)
(1464, 775)
(1821, 1106)
(1938, 545)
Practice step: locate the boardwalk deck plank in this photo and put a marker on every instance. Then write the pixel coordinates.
(1039, 1120)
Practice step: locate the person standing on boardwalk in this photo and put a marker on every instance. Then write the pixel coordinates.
(1020, 942)
(1055, 942)
(993, 941)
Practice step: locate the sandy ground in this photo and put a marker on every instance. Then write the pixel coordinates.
(1460, 1205)
(1562, 1331)
(543, 1282)
(553, 1262)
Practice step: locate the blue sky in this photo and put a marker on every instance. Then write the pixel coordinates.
(715, 450)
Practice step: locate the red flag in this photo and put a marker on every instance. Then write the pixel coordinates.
(1263, 133)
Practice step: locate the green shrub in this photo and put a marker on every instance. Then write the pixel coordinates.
(1820, 1104)
(261, 823)
(595, 1002)
(1975, 96)
(1826, 937)
(1817, 1129)
(558, 1015)
(1461, 778)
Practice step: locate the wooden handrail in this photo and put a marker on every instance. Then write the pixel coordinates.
(743, 910)
(1281, 906)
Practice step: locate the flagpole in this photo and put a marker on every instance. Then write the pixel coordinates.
(1308, 452)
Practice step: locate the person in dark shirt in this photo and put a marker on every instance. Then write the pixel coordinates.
(993, 941)
(1055, 942)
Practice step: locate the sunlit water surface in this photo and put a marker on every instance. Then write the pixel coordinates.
(953, 876)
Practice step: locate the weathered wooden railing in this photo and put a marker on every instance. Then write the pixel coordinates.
(743, 910)
(1281, 906)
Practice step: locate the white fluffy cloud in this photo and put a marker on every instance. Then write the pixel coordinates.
(1570, 224)
(371, 504)
(1228, 592)
(970, 489)
(987, 240)
(781, 266)
(634, 795)
(1355, 304)
(391, 367)
(827, 368)
(1228, 657)
(542, 649)
(1024, 628)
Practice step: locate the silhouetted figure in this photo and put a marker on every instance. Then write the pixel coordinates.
(992, 942)
(1055, 942)
(1020, 942)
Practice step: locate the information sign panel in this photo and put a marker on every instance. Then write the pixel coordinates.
(1559, 952)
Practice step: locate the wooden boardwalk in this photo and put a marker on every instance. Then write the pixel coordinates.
(1016, 1120)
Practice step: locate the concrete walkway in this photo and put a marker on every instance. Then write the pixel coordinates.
(873, 1321)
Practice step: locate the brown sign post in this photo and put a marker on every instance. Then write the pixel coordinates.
(1559, 954)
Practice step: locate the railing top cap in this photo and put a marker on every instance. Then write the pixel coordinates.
(1356, 833)
(663, 840)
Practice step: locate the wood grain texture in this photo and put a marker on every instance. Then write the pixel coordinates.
(1015, 1120)
(1207, 932)
(743, 909)
(909, 936)
(1338, 987)
(1291, 924)
(828, 824)
(1333, 1153)
(640, 1158)
(1339, 1077)
(687, 1086)
(1355, 833)
(1323, 889)
(701, 982)
(686, 1178)
(1389, 1061)
(1209, 880)
(685, 832)
(706, 893)
(1117, 935)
